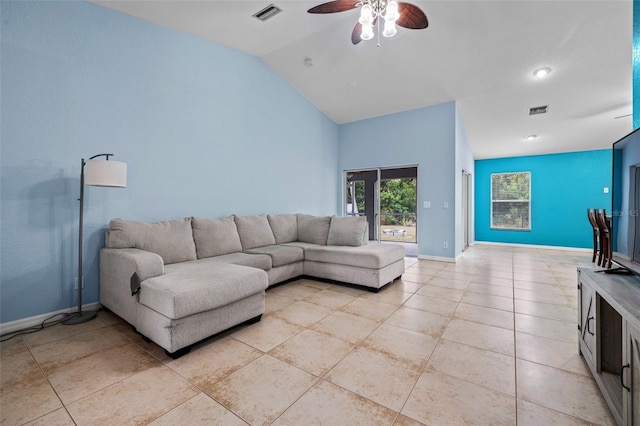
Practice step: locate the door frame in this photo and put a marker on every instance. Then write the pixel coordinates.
(379, 170)
(376, 198)
(466, 211)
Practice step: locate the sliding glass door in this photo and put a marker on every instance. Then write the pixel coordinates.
(362, 197)
(388, 199)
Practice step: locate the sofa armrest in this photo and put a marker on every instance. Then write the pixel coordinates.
(118, 267)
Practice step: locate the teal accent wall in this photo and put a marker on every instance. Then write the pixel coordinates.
(205, 130)
(626, 158)
(563, 187)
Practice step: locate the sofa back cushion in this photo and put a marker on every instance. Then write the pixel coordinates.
(172, 240)
(215, 237)
(284, 227)
(313, 229)
(254, 231)
(347, 231)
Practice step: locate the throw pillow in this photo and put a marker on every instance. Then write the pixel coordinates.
(254, 231)
(215, 237)
(172, 240)
(347, 231)
(284, 227)
(313, 229)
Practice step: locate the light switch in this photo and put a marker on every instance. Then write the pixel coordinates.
(606, 190)
(427, 204)
(446, 205)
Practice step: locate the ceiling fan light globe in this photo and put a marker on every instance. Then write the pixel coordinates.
(366, 15)
(391, 11)
(389, 29)
(367, 32)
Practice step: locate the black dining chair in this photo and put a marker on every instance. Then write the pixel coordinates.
(604, 226)
(591, 214)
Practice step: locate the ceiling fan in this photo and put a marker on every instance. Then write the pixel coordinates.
(393, 13)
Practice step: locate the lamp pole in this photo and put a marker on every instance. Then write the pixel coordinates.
(80, 317)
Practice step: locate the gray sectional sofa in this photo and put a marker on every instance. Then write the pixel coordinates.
(181, 281)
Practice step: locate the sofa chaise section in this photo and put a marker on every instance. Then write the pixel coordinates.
(151, 277)
(373, 265)
(192, 301)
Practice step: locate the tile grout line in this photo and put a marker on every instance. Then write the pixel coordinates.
(426, 364)
(515, 340)
(46, 376)
(319, 379)
(52, 388)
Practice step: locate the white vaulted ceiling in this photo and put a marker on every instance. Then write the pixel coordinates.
(479, 53)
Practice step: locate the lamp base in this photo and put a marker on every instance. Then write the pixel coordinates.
(79, 318)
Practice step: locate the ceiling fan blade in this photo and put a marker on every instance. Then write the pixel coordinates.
(334, 6)
(411, 17)
(355, 35)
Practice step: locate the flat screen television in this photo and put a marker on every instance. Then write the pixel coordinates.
(625, 197)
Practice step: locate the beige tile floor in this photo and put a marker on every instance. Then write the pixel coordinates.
(490, 340)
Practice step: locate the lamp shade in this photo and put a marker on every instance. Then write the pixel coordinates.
(105, 173)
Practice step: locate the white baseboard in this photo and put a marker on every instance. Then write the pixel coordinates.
(438, 258)
(533, 246)
(21, 324)
(490, 243)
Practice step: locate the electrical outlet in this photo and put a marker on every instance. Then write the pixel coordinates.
(445, 244)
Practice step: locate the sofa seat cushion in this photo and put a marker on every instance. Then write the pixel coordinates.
(372, 256)
(280, 255)
(300, 244)
(260, 261)
(192, 287)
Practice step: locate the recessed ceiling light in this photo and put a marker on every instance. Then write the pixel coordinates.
(531, 138)
(542, 72)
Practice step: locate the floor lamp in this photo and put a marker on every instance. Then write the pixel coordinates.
(94, 173)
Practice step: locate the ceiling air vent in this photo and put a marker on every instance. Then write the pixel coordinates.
(538, 110)
(267, 13)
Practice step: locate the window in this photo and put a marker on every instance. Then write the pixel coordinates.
(511, 200)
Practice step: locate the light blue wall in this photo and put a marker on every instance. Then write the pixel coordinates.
(563, 187)
(425, 137)
(205, 130)
(464, 162)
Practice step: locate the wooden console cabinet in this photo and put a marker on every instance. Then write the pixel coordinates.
(609, 327)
